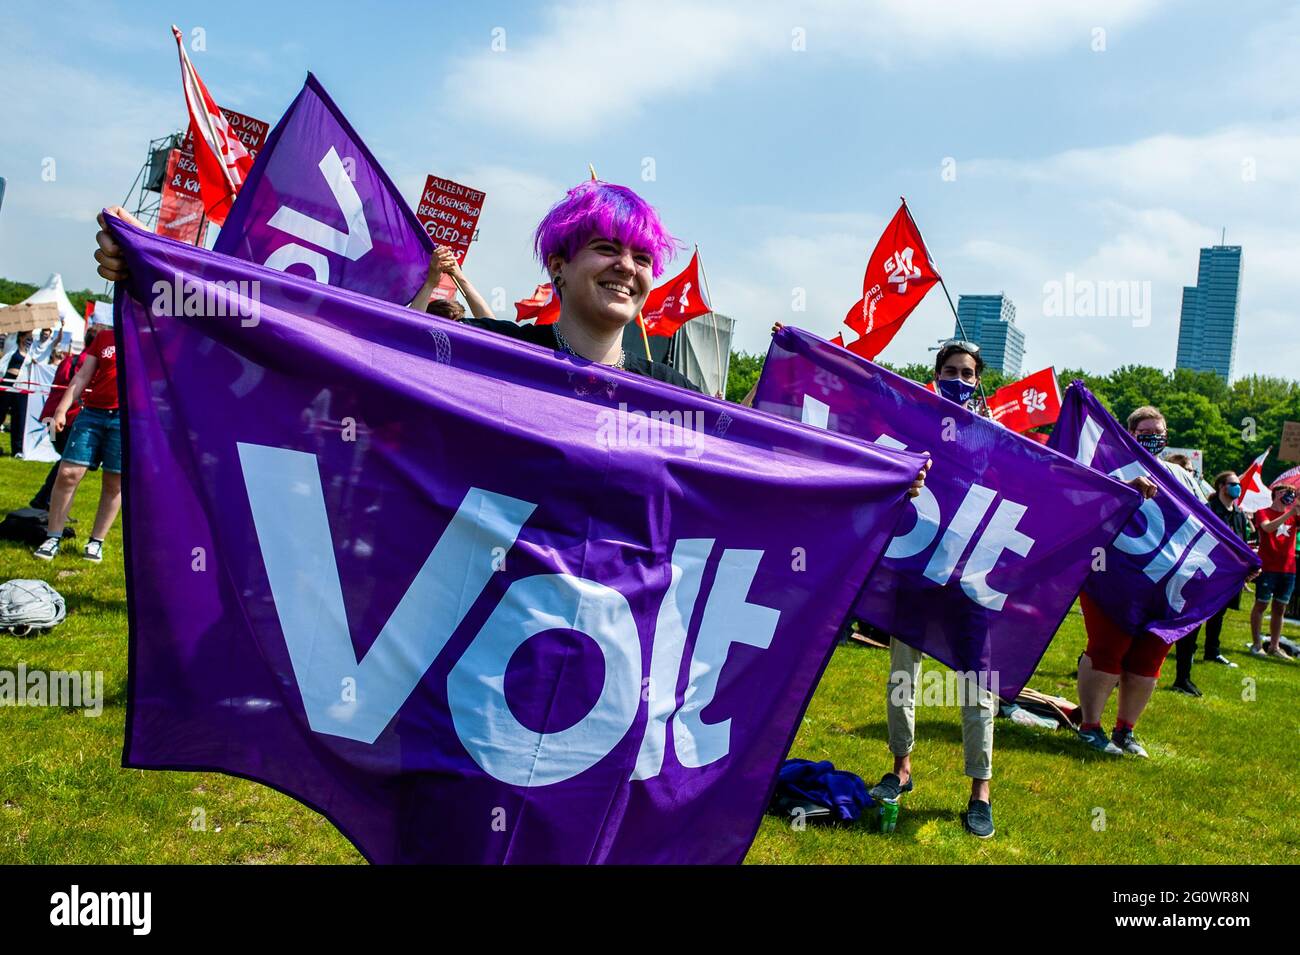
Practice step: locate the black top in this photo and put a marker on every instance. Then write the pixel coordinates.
(15, 366)
(544, 335)
(1233, 518)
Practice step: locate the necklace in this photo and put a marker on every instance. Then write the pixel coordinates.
(564, 344)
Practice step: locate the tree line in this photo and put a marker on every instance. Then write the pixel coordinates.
(1231, 424)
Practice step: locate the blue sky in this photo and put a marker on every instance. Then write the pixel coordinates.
(1103, 141)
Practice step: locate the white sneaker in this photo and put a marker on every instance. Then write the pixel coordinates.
(94, 551)
(48, 550)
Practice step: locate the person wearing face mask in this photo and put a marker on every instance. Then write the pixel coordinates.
(957, 370)
(1277, 526)
(1114, 657)
(1224, 503)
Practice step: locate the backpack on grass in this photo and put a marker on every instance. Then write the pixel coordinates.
(27, 526)
(27, 606)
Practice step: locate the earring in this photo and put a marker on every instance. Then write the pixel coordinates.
(557, 282)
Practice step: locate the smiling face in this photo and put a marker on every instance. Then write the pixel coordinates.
(605, 283)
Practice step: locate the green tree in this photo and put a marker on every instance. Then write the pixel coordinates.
(742, 374)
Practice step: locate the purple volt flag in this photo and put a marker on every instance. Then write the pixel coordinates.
(474, 600)
(318, 204)
(1001, 539)
(1175, 564)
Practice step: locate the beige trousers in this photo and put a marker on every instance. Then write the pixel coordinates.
(977, 710)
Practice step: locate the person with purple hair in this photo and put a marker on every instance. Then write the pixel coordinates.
(603, 246)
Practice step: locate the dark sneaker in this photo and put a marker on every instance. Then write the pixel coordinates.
(978, 819)
(1186, 687)
(889, 789)
(94, 551)
(47, 551)
(1222, 660)
(1098, 741)
(1126, 742)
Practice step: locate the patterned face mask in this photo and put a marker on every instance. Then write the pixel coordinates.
(954, 389)
(1155, 443)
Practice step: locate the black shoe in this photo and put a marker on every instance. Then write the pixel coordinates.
(1128, 743)
(978, 819)
(1221, 660)
(888, 789)
(1186, 687)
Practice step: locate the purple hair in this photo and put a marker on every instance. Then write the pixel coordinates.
(601, 208)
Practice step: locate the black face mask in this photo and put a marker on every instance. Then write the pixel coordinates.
(1155, 443)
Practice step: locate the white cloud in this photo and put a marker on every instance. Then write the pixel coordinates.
(596, 66)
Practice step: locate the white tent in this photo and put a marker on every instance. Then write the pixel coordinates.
(52, 291)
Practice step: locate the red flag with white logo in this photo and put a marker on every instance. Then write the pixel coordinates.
(1028, 403)
(898, 275)
(677, 301)
(1255, 494)
(223, 162)
(541, 305)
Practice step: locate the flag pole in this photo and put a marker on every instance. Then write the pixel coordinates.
(717, 342)
(645, 337)
(961, 328)
(592, 170)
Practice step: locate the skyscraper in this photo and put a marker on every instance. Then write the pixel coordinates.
(990, 322)
(1207, 329)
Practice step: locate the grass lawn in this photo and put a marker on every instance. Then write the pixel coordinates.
(1221, 787)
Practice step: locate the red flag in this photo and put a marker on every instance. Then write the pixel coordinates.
(838, 340)
(897, 278)
(222, 160)
(1028, 403)
(542, 305)
(676, 302)
(1254, 492)
(180, 214)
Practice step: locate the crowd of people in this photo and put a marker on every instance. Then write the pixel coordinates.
(602, 247)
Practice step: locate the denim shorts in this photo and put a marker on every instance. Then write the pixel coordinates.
(96, 439)
(1274, 585)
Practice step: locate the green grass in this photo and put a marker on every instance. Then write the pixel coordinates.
(1221, 787)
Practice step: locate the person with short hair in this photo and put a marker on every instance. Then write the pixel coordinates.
(1224, 502)
(1114, 657)
(957, 370)
(96, 438)
(1276, 526)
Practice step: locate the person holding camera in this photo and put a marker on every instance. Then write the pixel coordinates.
(1277, 535)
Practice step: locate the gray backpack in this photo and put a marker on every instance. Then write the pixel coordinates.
(27, 606)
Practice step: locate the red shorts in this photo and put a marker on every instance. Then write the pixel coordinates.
(1111, 650)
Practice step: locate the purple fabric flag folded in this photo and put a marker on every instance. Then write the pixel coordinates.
(318, 204)
(473, 600)
(1001, 539)
(1175, 564)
